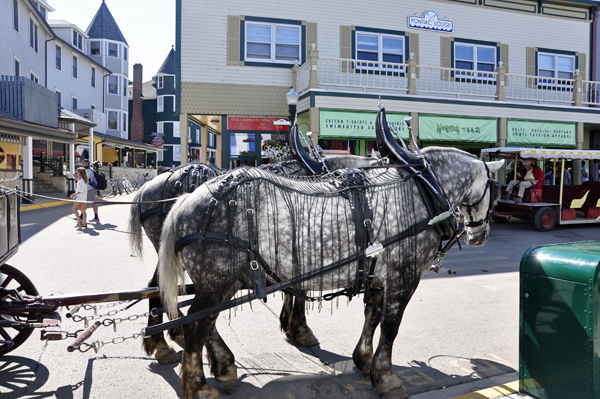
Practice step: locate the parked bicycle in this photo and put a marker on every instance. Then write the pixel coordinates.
(141, 179)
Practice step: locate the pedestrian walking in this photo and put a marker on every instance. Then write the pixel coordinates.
(91, 191)
(80, 196)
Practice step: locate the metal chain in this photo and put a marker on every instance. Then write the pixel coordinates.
(108, 305)
(86, 319)
(84, 346)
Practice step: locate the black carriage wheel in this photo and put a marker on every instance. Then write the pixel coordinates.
(545, 219)
(500, 219)
(12, 278)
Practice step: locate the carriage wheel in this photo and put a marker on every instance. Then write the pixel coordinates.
(545, 219)
(12, 278)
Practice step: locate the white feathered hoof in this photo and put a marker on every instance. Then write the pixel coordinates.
(166, 355)
(391, 387)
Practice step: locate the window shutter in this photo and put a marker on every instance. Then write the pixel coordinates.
(446, 55)
(504, 55)
(346, 33)
(582, 64)
(413, 47)
(531, 62)
(311, 37)
(233, 40)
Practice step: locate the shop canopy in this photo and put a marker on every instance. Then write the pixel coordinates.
(537, 153)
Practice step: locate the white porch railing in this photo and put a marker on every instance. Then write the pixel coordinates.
(590, 92)
(303, 77)
(524, 87)
(361, 74)
(456, 81)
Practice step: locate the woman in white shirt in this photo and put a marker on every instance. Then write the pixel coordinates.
(80, 195)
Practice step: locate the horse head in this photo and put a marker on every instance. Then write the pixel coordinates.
(479, 202)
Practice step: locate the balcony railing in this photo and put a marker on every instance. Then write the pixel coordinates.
(28, 101)
(413, 79)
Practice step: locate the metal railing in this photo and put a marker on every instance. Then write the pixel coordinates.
(456, 81)
(524, 87)
(362, 74)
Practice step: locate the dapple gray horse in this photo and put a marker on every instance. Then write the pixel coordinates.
(302, 226)
(150, 216)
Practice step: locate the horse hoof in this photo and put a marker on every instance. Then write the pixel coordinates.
(227, 381)
(166, 355)
(391, 387)
(306, 337)
(179, 340)
(208, 393)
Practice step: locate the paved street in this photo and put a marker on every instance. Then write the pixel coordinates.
(461, 326)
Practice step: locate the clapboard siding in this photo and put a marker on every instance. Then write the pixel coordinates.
(205, 43)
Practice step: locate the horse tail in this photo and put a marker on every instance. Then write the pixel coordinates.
(170, 268)
(135, 225)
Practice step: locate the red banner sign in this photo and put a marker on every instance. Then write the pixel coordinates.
(158, 142)
(262, 124)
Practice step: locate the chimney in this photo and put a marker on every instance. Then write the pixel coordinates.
(137, 121)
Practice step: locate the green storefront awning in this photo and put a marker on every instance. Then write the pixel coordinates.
(356, 125)
(458, 129)
(541, 133)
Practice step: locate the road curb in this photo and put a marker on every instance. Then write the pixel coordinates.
(46, 205)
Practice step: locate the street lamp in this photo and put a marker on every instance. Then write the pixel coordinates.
(189, 141)
(292, 100)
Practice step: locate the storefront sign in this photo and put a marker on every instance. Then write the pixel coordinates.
(158, 142)
(157, 134)
(430, 21)
(356, 125)
(248, 123)
(457, 128)
(540, 133)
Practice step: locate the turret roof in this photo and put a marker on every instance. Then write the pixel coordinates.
(104, 26)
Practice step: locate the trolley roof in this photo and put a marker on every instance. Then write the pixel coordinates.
(539, 153)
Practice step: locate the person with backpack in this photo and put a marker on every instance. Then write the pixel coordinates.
(92, 187)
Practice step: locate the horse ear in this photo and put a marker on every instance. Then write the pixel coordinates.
(494, 166)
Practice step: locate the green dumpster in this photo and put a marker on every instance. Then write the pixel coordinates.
(559, 343)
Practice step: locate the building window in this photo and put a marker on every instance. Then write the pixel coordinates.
(556, 65)
(34, 77)
(16, 15)
(275, 43)
(75, 67)
(33, 35)
(160, 104)
(17, 67)
(113, 50)
(77, 40)
(74, 103)
(58, 97)
(474, 57)
(160, 156)
(93, 77)
(58, 58)
(160, 127)
(112, 120)
(125, 87)
(176, 153)
(42, 10)
(160, 83)
(94, 48)
(124, 122)
(125, 53)
(379, 47)
(211, 139)
(198, 136)
(113, 85)
(176, 129)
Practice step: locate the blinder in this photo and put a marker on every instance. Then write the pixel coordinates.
(495, 190)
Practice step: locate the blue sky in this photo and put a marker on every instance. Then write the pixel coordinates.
(148, 26)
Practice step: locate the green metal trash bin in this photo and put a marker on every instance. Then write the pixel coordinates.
(559, 342)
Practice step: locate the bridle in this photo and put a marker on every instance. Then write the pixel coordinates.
(494, 188)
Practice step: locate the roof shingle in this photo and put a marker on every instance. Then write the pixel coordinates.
(104, 26)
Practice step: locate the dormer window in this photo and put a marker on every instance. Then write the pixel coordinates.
(77, 40)
(113, 50)
(94, 48)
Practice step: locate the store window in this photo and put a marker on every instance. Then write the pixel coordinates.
(338, 147)
(242, 145)
(272, 42)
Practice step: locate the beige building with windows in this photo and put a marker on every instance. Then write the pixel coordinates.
(472, 74)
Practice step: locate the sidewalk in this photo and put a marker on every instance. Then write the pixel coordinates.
(502, 386)
(46, 200)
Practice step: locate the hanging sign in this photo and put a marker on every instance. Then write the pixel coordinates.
(539, 133)
(158, 142)
(356, 125)
(457, 128)
(430, 21)
(249, 123)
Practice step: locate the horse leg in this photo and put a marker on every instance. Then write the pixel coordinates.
(383, 377)
(363, 353)
(156, 344)
(286, 313)
(297, 327)
(197, 333)
(222, 362)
